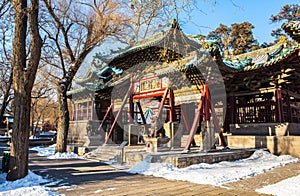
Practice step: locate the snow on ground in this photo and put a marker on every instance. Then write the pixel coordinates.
(216, 174)
(31, 184)
(288, 187)
(49, 153)
(44, 151)
(219, 173)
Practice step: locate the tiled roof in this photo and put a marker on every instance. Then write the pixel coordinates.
(202, 50)
(90, 74)
(261, 58)
(164, 46)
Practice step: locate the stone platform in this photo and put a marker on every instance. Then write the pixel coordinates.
(181, 159)
(278, 145)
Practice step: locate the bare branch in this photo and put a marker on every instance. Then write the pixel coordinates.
(61, 27)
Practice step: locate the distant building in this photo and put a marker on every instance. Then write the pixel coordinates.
(6, 124)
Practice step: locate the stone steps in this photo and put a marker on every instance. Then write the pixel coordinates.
(104, 153)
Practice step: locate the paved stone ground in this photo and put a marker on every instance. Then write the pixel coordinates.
(264, 179)
(85, 177)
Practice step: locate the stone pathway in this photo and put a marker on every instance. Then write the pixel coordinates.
(264, 179)
(85, 177)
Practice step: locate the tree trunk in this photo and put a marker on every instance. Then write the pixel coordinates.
(19, 145)
(63, 123)
(23, 79)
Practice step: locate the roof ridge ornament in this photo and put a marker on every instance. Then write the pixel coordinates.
(175, 24)
(282, 39)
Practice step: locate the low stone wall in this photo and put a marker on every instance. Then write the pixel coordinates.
(180, 159)
(278, 145)
(187, 160)
(134, 157)
(85, 132)
(266, 129)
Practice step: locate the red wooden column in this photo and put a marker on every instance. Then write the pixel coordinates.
(172, 107)
(131, 109)
(131, 105)
(129, 92)
(159, 112)
(206, 114)
(205, 106)
(186, 123)
(196, 119)
(289, 110)
(110, 108)
(76, 111)
(278, 105)
(185, 120)
(232, 109)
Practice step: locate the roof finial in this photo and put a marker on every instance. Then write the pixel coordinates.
(282, 39)
(174, 24)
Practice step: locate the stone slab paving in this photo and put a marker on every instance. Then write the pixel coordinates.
(86, 177)
(264, 179)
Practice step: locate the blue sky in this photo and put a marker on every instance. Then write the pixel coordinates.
(257, 12)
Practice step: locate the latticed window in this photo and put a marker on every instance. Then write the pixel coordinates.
(258, 108)
(83, 111)
(264, 108)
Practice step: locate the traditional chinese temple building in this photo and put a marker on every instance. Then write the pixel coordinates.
(256, 93)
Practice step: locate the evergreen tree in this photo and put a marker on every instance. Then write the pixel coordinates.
(236, 39)
(286, 14)
(241, 37)
(222, 33)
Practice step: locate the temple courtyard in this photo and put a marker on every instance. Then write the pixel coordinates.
(68, 174)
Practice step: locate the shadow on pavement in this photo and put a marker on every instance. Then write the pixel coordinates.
(67, 172)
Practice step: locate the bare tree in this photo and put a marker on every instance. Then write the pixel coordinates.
(6, 90)
(77, 27)
(24, 72)
(145, 17)
(5, 55)
(74, 29)
(148, 17)
(4, 7)
(43, 100)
